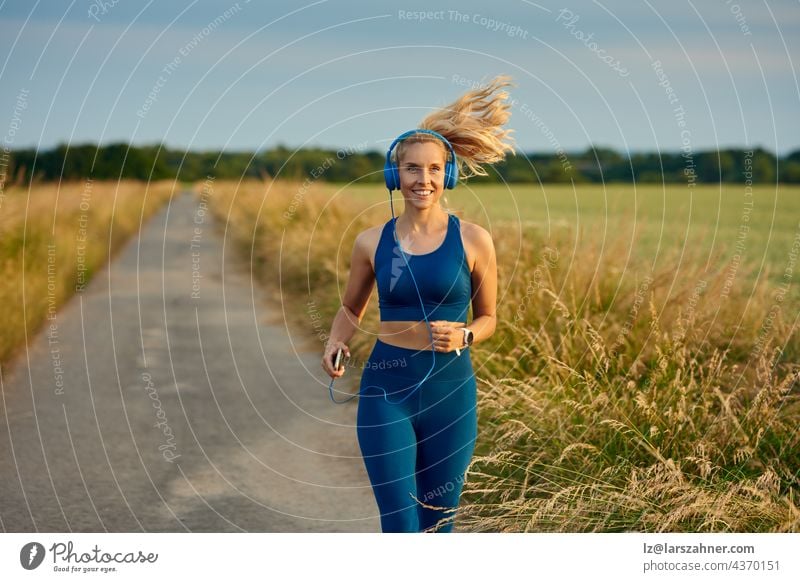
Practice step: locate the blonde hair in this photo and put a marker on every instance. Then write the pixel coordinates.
(473, 126)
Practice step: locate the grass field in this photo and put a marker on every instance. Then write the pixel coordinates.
(658, 223)
(644, 372)
(54, 237)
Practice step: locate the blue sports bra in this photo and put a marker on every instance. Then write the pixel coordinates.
(442, 277)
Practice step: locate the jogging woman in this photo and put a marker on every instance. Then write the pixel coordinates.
(417, 416)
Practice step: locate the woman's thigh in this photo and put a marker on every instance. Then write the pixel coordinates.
(446, 432)
(388, 444)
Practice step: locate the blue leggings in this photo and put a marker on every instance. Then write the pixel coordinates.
(420, 447)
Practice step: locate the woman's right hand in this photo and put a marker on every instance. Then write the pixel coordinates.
(330, 354)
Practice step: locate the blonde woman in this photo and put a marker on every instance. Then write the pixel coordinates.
(417, 416)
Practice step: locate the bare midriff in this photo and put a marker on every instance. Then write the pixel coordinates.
(406, 334)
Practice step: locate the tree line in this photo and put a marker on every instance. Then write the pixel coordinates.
(594, 164)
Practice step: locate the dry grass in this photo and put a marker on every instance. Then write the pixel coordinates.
(682, 418)
(611, 398)
(41, 251)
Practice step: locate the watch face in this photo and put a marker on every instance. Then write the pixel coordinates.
(469, 337)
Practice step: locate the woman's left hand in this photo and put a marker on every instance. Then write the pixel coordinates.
(447, 335)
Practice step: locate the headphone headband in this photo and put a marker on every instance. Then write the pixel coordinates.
(391, 174)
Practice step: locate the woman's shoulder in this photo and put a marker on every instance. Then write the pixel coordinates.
(475, 234)
(477, 242)
(370, 235)
(367, 241)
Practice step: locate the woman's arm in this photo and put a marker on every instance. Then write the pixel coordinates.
(449, 335)
(484, 285)
(354, 304)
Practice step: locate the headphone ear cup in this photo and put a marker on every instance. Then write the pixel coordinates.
(450, 175)
(395, 177)
(390, 176)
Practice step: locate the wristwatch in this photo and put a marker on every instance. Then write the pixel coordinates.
(468, 337)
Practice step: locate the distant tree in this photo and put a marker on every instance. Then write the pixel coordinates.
(594, 164)
(764, 166)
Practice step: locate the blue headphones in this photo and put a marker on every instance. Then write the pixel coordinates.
(392, 176)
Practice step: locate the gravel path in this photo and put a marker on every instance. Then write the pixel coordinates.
(160, 401)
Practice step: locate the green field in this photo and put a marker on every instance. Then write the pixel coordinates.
(716, 225)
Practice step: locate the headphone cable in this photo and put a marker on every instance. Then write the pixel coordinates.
(424, 315)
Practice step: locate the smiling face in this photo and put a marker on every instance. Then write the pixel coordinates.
(421, 169)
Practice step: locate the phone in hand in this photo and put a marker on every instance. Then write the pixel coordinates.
(337, 360)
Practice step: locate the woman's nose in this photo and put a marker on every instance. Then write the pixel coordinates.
(424, 176)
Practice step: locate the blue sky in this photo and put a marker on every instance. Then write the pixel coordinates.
(340, 73)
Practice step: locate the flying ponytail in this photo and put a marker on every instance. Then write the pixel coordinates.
(473, 124)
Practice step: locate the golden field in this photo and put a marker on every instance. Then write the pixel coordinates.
(54, 237)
